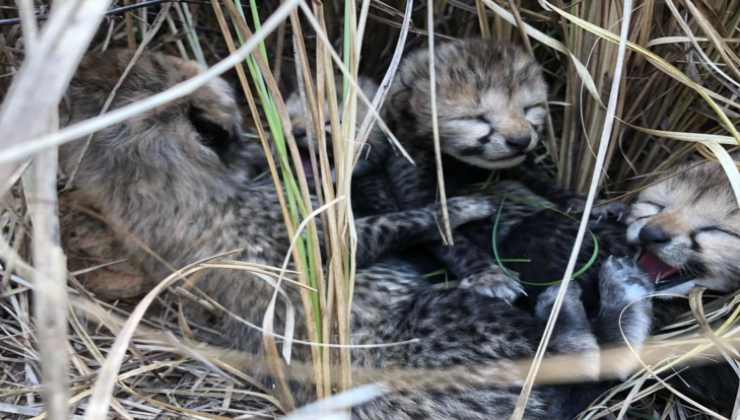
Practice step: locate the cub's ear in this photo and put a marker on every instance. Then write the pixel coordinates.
(213, 135)
(400, 98)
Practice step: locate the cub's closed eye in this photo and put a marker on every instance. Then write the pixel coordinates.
(534, 107)
(473, 118)
(468, 119)
(717, 230)
(645, 209)
(658, 206)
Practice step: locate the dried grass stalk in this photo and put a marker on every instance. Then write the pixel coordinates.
(48, 68)
(600, 160)
(50, 278)
(692, 43)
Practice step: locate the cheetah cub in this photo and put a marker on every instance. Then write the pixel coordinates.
(490, 101)
(688, 226)
(169, 183)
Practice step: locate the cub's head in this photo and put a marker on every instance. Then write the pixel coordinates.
(303, 127)
(195, 140)
(300, 117)
(490, 101)
(689, 228)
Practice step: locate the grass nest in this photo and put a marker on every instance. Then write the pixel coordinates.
(677, 101)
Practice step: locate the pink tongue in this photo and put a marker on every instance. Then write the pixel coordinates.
(655, 267)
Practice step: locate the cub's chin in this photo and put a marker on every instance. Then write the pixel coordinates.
(501, 163)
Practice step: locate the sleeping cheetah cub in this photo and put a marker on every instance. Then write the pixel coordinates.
(490, 101)
(490, 110)
(688, 226)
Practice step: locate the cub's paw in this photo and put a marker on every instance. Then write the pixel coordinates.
(610, 211)
(493, 282)
(602, 210)
(621, 280)
(469, 208)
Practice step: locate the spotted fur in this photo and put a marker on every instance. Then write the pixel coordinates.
(460, 328)
(680, 207)
(490, 99)
(172, 185)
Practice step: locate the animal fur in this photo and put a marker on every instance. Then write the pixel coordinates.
(690, 220)
(490, 100)
(696, 210)
(697, 213)
(172, 185)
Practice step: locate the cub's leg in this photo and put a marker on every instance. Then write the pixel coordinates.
(477, 270)
(381, 233)
(572, 333)
(623, 288)
(572, 336)
(415, 185)
(625, 310)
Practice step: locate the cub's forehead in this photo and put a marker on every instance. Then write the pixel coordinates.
(494, 97)
(472, 55)
(532, 92)
(703, 188)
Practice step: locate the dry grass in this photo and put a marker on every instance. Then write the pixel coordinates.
(677, 98)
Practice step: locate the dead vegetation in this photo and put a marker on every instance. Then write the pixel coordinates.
(677, 98)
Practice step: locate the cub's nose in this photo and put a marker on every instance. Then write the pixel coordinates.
(653, 235)
(519, 143)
